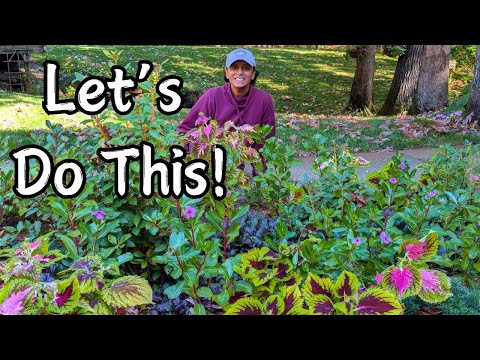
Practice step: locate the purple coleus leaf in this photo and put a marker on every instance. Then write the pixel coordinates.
(13, 305)
(401, 279)
(414, 251)
(62, 298)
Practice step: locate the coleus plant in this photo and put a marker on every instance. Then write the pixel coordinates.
(277, 291)
(412, 276)
(26, 286)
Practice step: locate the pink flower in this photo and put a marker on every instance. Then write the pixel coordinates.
(17, 251)
(218, 132)
(393, 180)
(357, 241)
(38, 258)
(362, 161)
(207, 130)
(251, 151)
(379, 278)
(99, 214)
(402, 166)
(474, 178)
(202, 120)
(189, 212)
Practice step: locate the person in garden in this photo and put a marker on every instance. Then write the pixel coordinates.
(238, 100)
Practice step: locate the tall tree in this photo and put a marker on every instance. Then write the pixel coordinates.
(361, 95)
(404, 82)
(432, 89)
(472, 115)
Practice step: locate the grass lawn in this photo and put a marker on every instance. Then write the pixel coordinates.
(310, 88)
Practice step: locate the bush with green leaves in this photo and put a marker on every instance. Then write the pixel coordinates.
(28, 286)
(464, 301)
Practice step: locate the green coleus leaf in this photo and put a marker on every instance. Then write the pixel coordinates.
(246, 306)
(274, 305)
(320, 304)
(422, 250)
(346, 285)
(315, 285)
(377, 301)
(435, 287)
(66, 296)
(128, 291)
(403, 282)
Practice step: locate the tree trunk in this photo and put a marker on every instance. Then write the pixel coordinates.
(404, 81)
(361, 95)
(472, 115)
(432, 87)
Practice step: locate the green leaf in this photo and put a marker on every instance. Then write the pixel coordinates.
(199, 309)
(215, 220)
(245, 287)
(205, 292)
(69, 245)
(176, 240)
(122, 259)
(240, 212)
(222, 298)
(174, 291)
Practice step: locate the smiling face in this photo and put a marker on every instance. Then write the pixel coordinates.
(240, 74)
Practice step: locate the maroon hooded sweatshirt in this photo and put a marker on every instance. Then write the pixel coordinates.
(219, 104)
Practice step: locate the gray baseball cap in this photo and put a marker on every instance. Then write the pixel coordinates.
(241, 54)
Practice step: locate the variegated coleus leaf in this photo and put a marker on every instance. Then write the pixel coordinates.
(267, 254)
(435, 286)
(90, 281)
(94, 307)
(403, 282)
(128, 291)
(15, 296)
(320, 304)
(422, 250)
(282, 269)
(292, 298)
(66, 296)
(346, 285)
(255, 266)
(274, 305)
(343, 308)
(87, 263)
(246, 306)
(315, 285)
(377, 301)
